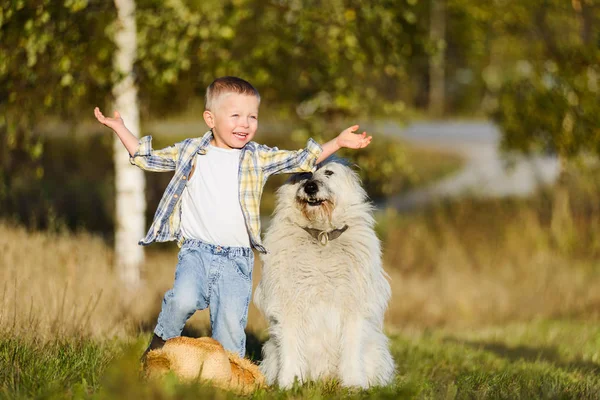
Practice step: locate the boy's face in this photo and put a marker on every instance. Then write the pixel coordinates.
(233, 120)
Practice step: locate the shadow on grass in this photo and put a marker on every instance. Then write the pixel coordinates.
(530, 354)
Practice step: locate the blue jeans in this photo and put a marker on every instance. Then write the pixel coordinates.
(215, 276)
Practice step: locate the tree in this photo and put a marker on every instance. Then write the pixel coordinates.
(129, 182)
(437, 69)
(548, 100)
(54, 65)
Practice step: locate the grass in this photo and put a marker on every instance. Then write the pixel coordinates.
(471, 262)
(540, 359)
(33, 368)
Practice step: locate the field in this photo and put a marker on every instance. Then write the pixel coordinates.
(491, 299)
(540, 359)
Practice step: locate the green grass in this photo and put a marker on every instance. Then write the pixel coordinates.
(540, 359)
(550, 359)
(30, 368)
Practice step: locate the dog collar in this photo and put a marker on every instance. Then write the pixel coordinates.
(323, 237)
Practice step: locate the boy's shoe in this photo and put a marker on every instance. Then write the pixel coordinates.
(156, 343)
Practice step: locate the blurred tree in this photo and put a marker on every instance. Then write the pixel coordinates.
(532, 65)
(437, 70)
(129, 182)
(319, 61)
(314, 58)
(548, 99)
(54, 64)
(468, 54)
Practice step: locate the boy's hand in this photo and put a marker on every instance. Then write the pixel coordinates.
(116, 124)
(113, 123)
(353, 140)
(347, 139)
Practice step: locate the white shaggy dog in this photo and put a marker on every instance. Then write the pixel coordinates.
(323, 289)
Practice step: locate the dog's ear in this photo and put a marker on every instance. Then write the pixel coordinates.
(355, 167)
(352, 165)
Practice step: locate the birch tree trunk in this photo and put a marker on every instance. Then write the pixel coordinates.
(437, 61)
(129, 180)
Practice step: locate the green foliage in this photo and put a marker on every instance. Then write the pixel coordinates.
(335, 57)
(66, 368)
(468, 27)
(547, 100)
(74, 188)
(384, 167)
(55, 59)
(532, 66)
(551, 110)
(313, 59)
(344, 57)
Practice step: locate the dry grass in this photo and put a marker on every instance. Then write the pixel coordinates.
(477, 263)
(468, 263)
(63, 284)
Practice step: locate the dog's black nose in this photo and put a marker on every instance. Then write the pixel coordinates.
(311, 187)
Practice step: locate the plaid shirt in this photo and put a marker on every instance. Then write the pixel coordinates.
(257, 163)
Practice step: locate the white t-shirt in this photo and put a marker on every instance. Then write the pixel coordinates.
(210, 208)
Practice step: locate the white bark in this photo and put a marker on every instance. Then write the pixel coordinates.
(129, 180)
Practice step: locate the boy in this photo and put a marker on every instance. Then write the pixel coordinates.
(211, 207)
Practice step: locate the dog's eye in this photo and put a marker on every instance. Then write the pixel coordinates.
(328, 173)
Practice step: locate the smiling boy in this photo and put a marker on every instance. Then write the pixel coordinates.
(211, 207)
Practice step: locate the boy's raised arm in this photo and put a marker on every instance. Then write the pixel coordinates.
(347, 138)
(116, 124)
(275, 161)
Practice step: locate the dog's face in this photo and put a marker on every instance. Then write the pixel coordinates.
(320, 198)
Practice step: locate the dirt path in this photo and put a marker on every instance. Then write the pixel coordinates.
(486, 173)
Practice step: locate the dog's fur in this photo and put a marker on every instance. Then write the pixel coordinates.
(204, 359)
(324, 303)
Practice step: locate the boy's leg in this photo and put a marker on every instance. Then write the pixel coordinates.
(189, 293)
(229, 302)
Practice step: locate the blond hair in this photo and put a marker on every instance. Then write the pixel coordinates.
(227, 84)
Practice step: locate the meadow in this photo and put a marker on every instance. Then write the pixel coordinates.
(491, 299)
